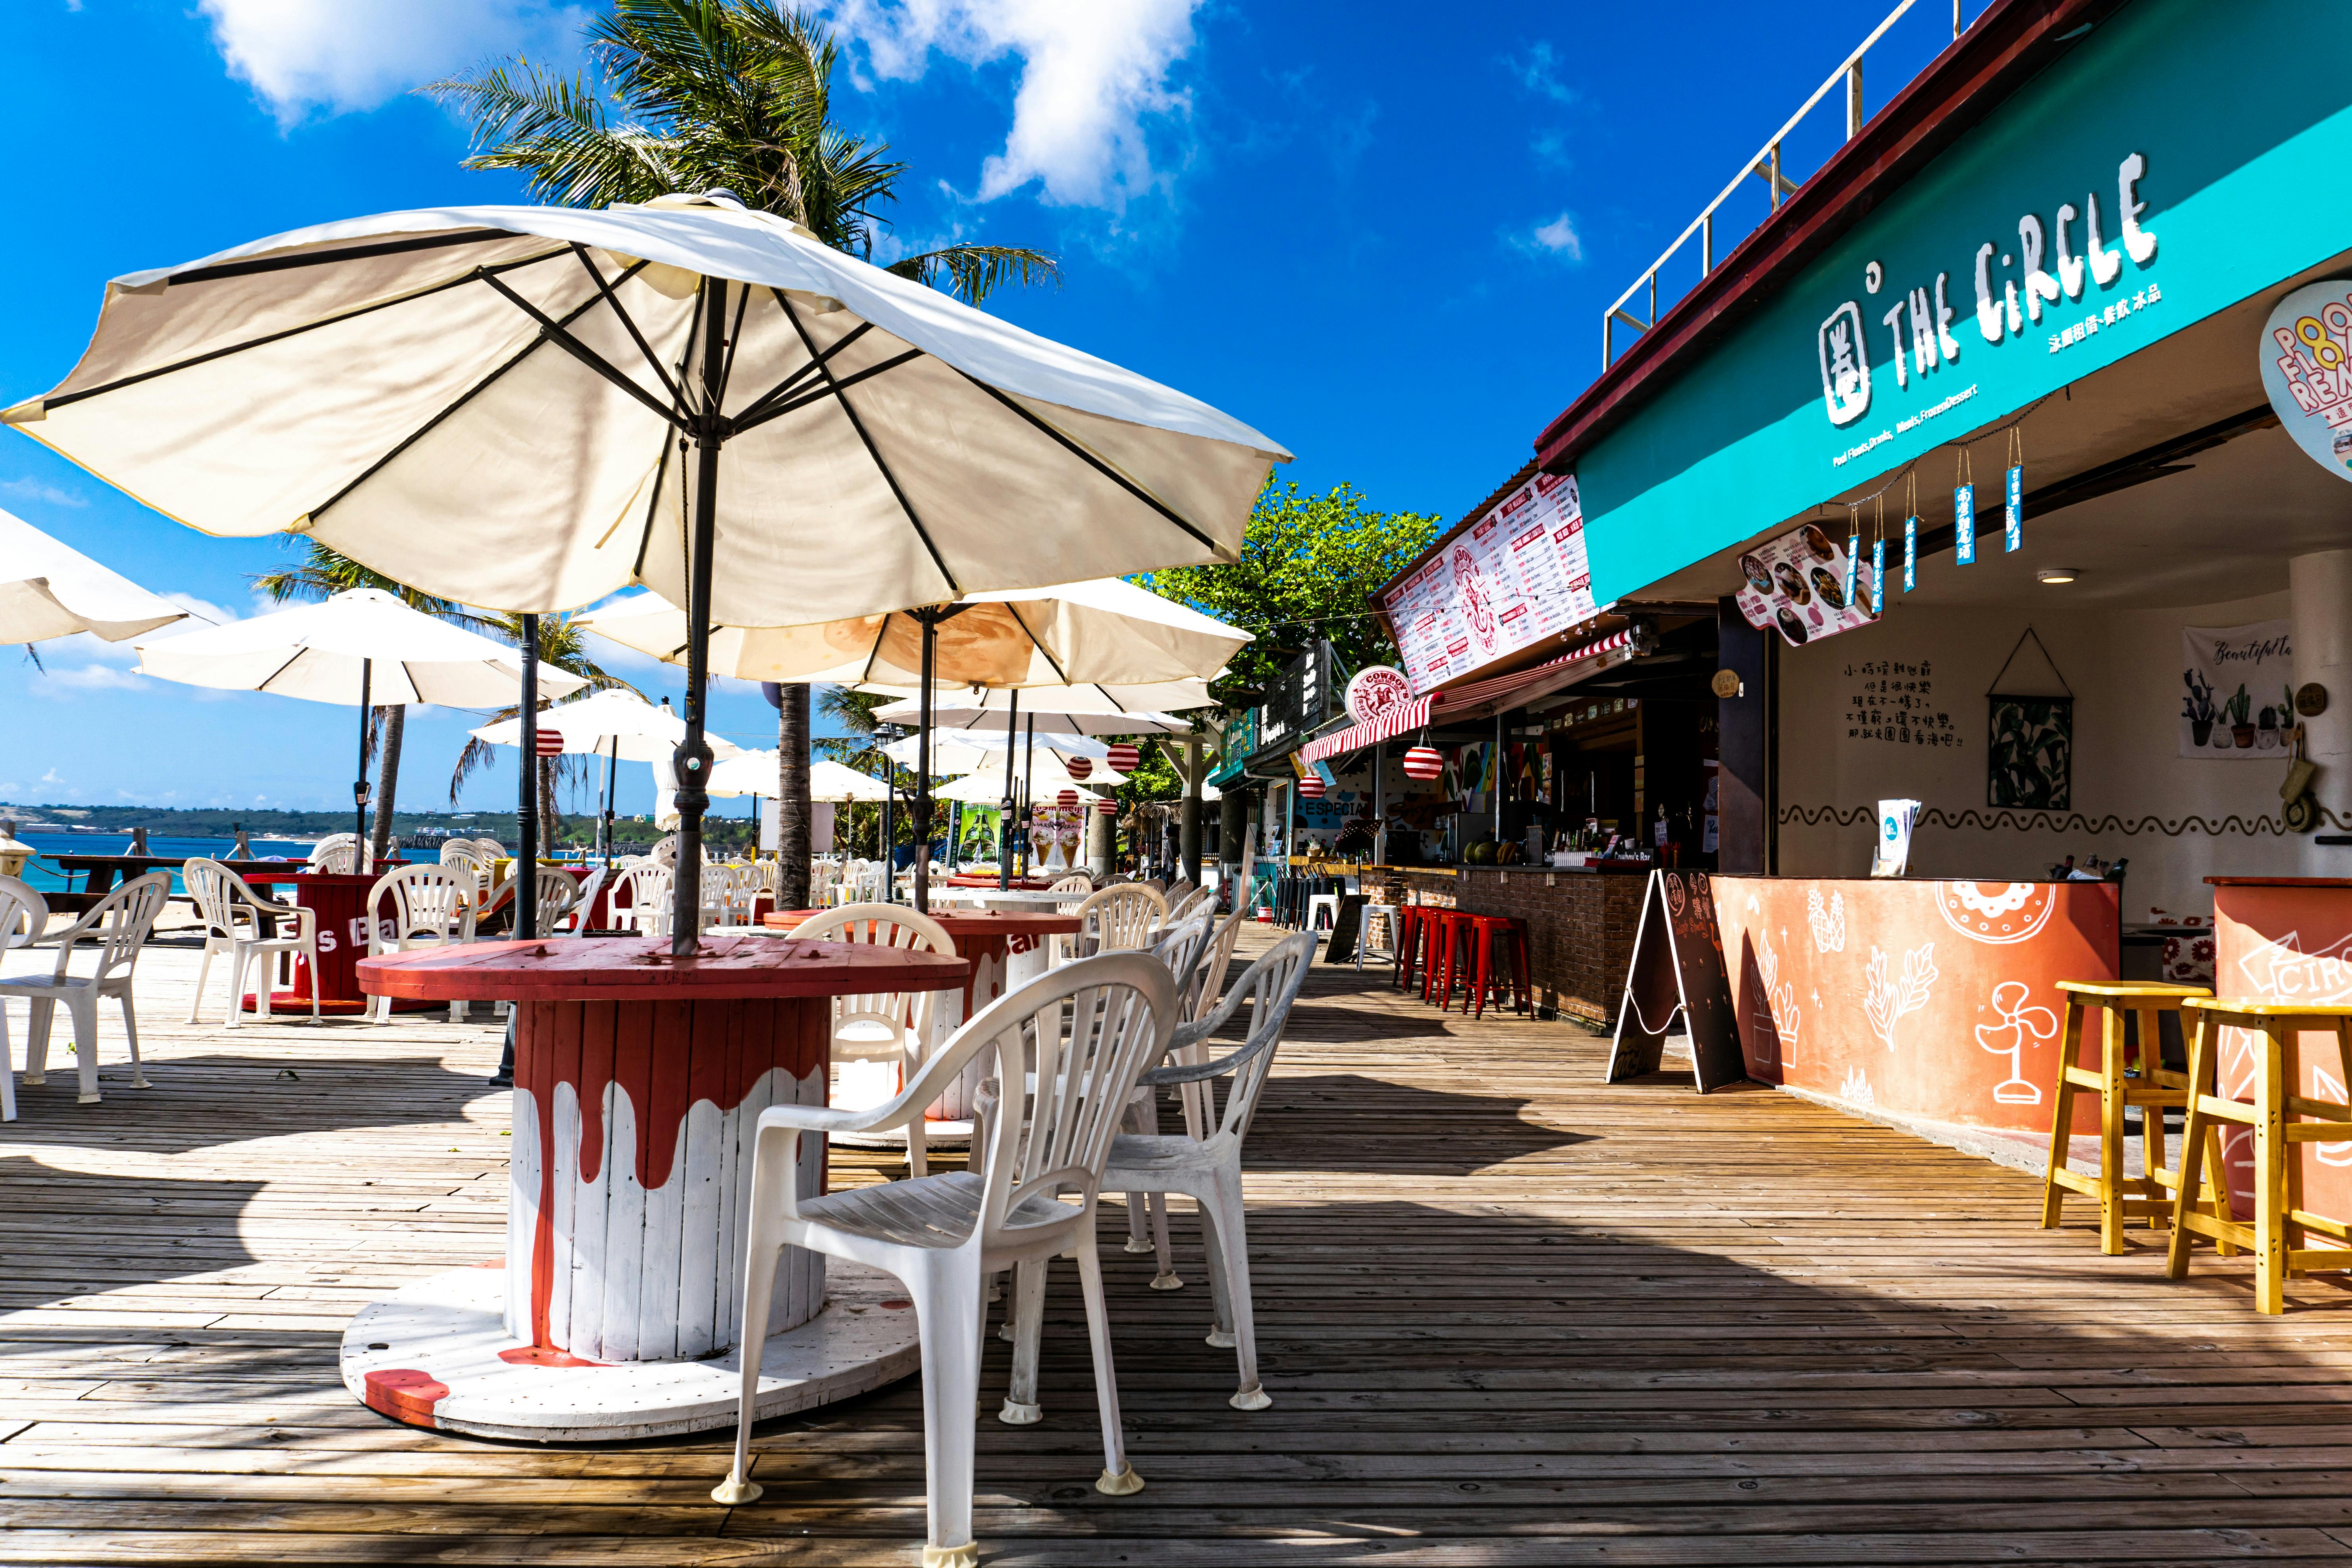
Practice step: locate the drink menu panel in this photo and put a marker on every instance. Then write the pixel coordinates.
(1515, 578)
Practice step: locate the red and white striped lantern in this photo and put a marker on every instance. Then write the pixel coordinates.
(1422, 763)
(1068, 799)
(1122, 758)
(1078, 767)
(1312, 788)
(1108, 807)
(549, 741)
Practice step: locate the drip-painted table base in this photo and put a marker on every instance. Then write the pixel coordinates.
(437, 1353)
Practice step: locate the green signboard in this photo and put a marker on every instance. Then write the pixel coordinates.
(2179, 160)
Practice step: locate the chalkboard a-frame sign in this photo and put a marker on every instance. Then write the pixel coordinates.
(1677, 968)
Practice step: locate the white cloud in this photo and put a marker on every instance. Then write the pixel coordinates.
(1093, 73)
(1558, 238)
(51, 777)
(338, 55)
(1538, 71)
(35, 490)
(97, 678)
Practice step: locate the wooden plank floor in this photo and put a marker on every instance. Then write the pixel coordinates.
(1509, 1316)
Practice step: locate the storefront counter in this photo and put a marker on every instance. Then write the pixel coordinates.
(1935, 1000)
(1581, 923)
(2284, 939)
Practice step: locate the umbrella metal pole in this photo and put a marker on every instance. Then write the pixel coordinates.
(612, 765)
(923, 768)
(889, 804)
(1005, 826)
(1498, 781)
(359, 783)
(693, 760)
(526, 919)
(1028, 787)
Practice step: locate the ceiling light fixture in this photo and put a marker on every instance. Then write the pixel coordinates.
(2052, 576)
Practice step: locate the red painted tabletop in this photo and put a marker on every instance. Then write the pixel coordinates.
(961, 922)
(2278, 882)
(640, 969)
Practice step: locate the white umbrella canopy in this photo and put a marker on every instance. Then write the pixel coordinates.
(961, 752)
(971, 723)
(992, 708)
(754, 773)
(483, 403)
(986, 789)
(1104, 631)
(609, 724)
(51, 590)
(316, 652)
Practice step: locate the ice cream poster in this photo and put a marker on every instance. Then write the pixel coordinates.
(1797, 583)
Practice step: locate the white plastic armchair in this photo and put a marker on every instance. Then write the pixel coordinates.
(468, 854)
(117, 925)
(337, 854)
(1033, 1200)
(584, 909)
(420, 906)
(648, 909)
(241, 923)
(558, 893)
(1208, 1169)
(24, 915)
(1119, 918)
(890, 1029)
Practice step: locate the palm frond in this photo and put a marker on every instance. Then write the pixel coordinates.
(973, 272)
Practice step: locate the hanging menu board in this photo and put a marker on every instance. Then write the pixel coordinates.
(1515, 577)
(1797, 583)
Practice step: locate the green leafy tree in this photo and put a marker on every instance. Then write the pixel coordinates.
(697, 95)
(563, 644)
(323, 573)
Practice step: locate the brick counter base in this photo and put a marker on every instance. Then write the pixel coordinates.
(1579, 929)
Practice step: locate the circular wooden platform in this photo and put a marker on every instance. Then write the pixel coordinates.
(642, 969)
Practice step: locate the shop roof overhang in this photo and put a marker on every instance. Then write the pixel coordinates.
(2006, 46)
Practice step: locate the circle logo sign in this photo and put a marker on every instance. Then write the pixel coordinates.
(1376, 689)
(1996, 913)
(2307, 354)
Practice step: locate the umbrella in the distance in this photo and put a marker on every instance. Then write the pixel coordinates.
(615, 724)
(508, 407)
(51, 590)
(362, 646)
(754, 773)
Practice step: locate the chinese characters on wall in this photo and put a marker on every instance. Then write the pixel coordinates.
(1895, 701)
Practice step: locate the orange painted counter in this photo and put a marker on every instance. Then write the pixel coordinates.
(1917, 998)
(2283, 938)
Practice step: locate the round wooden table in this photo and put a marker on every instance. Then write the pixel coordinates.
(640, 1080)
(340, 900)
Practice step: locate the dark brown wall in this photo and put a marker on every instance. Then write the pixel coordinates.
(1745, 798)
(1579, 929)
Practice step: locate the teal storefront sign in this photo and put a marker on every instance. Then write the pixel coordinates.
(1241, 740)
(2162, 170)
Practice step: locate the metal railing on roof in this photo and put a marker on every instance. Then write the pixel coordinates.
(1767, 165)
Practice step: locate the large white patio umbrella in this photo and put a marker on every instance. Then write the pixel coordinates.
(961, 721)
(505, 406)
(754, 773)
(1101, 631)
(1093, 709)
(51, 590)
(614, 723)
(362, 646)
(964, 752)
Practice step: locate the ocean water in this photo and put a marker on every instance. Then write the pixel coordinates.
(44, 875)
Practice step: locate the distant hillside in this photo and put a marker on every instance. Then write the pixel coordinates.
(223, 823)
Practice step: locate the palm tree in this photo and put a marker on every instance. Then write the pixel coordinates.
(716, 94)
(324, 573)
(563, 644)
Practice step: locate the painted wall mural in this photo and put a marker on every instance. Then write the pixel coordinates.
(1922, 998)
(2293, 945)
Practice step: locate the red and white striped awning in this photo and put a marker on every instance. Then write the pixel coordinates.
(1414, 714)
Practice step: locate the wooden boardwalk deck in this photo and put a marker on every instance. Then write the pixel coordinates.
(1509, 1316)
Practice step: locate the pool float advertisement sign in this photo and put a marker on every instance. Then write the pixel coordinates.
(1807, 585)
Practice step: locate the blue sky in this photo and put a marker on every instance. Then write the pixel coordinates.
(1385, 243)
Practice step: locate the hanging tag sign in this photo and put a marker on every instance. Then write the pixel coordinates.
(1910, 553)
(1804, 585)
(2013, 512)
(1964, 524)
(1852, 563)
(1878, 569)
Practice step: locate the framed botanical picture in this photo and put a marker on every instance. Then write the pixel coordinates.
(2030, 757)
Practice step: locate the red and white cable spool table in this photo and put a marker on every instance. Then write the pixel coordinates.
(640, 1080)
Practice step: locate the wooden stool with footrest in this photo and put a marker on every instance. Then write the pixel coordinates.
(2128, 1074)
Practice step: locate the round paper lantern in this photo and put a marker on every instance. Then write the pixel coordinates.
(1424, 763)
(549, 741)
(1312, 788)
(1108, 807)
(1122, 759)
(1078, 767)
(1069, 799)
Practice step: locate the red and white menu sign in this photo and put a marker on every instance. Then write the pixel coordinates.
(1515, 577)
(1798, 583)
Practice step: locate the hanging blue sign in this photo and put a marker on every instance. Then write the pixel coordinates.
(1964, 524)
(2013, 511)
(1910, 553)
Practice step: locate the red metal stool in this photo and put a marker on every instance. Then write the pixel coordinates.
(1412, 926)
(1510, 934)
(1457, 943)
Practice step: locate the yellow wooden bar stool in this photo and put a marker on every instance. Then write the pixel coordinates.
(2281, 1221)
(2128, 1074)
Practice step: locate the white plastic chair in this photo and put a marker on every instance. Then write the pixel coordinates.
(647, 885)
(557, 895)
(236, 922)
(892, 1028)
(337, 854)
(1077, 882)
(1208, 1170)
(1033, 1200)
(1120, 918)
(120, 922)
(432, 906)
(1193, 901)
(469, 854)
(24, 915)
(584, 908)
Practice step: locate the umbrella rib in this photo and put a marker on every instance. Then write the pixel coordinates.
(1038, 642)
(784, 387)
(1097, 464)
(734, 338)
(840, 386)
(627, 322)
(832, 388)
(268, 338)
(433, 424)
(661, 471)
(553, 331)
(348, 253)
